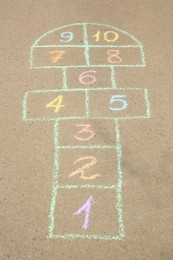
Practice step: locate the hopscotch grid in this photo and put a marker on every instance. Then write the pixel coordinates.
(116, 119)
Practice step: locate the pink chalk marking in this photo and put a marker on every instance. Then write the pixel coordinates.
(86, 207)
(84, 129)
(85, 78)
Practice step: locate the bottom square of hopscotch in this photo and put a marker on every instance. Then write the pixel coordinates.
(104, 216)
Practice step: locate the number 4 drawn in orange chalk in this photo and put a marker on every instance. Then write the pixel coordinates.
(56, 103)
(57, 55)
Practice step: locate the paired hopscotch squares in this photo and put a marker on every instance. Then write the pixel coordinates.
(84, 104)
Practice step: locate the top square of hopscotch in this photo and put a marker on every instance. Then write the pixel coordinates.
(86, 42)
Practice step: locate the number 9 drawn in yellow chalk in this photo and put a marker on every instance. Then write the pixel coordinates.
(56, 103)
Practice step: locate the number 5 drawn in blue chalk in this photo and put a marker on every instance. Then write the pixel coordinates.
(118, 98)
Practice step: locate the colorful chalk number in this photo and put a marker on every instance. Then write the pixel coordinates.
(56, 103)
(66, 37)
(109, 36)
(113, 56)
(87, 77)
(81, 170)
(57, 55)
(118, 99)
(85, 133)
(86, 208)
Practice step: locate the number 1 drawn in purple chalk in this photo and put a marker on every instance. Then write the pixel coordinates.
(86, 207)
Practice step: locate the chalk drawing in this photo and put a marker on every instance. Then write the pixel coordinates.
(116, 103)
(87, 47)
(66, 37)
(85, 128)
(86, 208)
(88, 108)
(56, 103)
(113, 56)
(58, 55)
(82, 169)
(118, 98)
(86, 78)
(106, 38)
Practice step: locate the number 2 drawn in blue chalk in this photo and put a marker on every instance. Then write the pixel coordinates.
(118, 98)
(67, 37)
(86, 207)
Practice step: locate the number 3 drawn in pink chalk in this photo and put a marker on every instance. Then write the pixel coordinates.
(85, 131)
(86, 208)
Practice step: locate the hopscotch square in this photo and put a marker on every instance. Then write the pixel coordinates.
(98, 133)
(102, 35)
(104, 220)
(95, 171)
(45, 57)
(136, 100)
(89, 77)
(64, 35)
(126, 56)
(35, 105)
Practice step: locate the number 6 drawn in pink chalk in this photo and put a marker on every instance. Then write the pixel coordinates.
(86, 78)
(86, 207)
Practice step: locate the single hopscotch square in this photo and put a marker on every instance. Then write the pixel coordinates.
(90, 77)
(94, 133)
(85, 166)
(86, 213)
